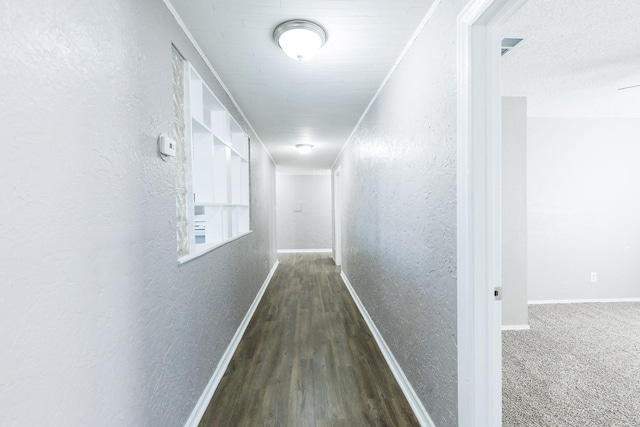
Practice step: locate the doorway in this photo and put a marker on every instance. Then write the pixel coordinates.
(581, 119)
(337, 217)
(478, 203)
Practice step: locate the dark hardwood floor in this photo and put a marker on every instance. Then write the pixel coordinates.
(307, 358)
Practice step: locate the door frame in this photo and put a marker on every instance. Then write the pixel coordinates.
(337, 216)
(479, 221)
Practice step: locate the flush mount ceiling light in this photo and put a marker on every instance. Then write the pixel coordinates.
(304, 148)
(300, 39)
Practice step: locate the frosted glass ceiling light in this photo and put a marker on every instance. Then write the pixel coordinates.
(300, 39)
(304, 148)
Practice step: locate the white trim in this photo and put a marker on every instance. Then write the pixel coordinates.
(583, 301)
(476, 376)
(478, 212)
(208, 249)
(195, 44)
(516, 327)
(303, 251)
(207, 394)
(419, 410)
(404, 52)
(288, 171)
(336, 185)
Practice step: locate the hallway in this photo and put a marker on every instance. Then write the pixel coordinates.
(308, 359)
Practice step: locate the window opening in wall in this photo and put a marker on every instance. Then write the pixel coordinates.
(212, 196)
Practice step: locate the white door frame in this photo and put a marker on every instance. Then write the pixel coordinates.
(479, 222)
(337, 217)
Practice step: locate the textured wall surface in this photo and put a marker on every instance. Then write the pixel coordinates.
(583, 208)
(311, 227)
(100, 326)
(399, 214)
(514, 211)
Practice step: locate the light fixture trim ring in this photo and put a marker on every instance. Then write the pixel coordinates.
(296, 24)
(299, 24)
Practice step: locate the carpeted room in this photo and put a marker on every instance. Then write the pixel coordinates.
(578, 365)
(571, 200)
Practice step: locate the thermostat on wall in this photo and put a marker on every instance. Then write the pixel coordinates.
(166, 145)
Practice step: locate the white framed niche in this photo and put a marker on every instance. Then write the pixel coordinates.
(217, 170)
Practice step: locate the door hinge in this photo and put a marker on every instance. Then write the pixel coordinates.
(497, 294)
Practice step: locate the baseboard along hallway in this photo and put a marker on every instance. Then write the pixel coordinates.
(308, 358)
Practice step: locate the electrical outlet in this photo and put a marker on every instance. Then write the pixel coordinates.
(265, 264)
(594, 277)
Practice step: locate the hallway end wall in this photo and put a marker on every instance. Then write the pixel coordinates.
(303, 211)
(398, 174)
(100, 325)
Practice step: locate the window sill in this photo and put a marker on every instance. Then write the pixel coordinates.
(208, 248)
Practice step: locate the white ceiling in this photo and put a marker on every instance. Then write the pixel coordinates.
(574, 56)
(317, 101)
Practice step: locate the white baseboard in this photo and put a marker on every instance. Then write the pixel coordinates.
(583, 301)
(419, 410)
(515, 327)
(304, 251)
(207, 394)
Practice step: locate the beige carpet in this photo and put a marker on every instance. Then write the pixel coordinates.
(579, 365)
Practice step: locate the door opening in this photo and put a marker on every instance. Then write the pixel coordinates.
(337, 217)
(479, 223)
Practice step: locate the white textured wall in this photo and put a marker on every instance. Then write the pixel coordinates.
(514, 211)
(309, 228)
(583, 208)
(99, 324)
(399, 214)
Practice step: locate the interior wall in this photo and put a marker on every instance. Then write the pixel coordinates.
(398, 177)
(583, 208)
(514, 211)
(303, 211)
(100, 326)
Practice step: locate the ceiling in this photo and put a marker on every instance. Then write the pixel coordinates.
(318, 101)
(574, 57)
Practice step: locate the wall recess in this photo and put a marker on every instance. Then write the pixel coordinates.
(217, 170)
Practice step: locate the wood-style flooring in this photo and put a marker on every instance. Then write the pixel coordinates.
(307, 358)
